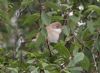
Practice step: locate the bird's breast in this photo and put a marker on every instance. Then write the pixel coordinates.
(53, 36)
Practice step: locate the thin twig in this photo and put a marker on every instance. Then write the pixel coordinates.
(40, 8)
(95, 63)
(94, 57)
(48, 46)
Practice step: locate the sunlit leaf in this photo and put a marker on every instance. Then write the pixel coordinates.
(46, 71)
(13, 70)
(76, 69)
(77, 58)
(35, 70)
(30, 61)
(95, 8)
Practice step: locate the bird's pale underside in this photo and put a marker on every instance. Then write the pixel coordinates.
(53, 30)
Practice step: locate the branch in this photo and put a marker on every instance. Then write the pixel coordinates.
(93, 55)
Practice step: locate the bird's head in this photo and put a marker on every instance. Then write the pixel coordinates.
(54, 30)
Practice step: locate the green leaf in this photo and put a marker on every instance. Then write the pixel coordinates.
(56, 18)
(30, 61)
(66, 30)
(98, 43)
(66, 71)
(97, 23)
(63, 51)
(42, 38)
(4, 16)
(51, 67)
(51, 5)
(77, 58)
(93, 25)
(77, 47)
(1, 49)
(95, 8)
(75, 69)
(44, 64)
(3, 4)
(25, 3)
(13, 70)
(85, 63)
(73, 20)
(45, 19)
(90, 26)
(46, 71)
(30, 19)
(35, 70)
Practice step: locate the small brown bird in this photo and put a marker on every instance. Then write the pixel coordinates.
(53, 31)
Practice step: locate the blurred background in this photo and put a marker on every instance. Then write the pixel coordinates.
(78, 49)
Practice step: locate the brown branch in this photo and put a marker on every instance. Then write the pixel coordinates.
(93, 54)
(48, 46)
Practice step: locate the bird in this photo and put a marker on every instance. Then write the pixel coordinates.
(53, 32)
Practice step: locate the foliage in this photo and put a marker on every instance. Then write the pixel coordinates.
(78, 50)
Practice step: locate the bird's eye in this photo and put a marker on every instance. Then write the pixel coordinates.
(57, 26)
